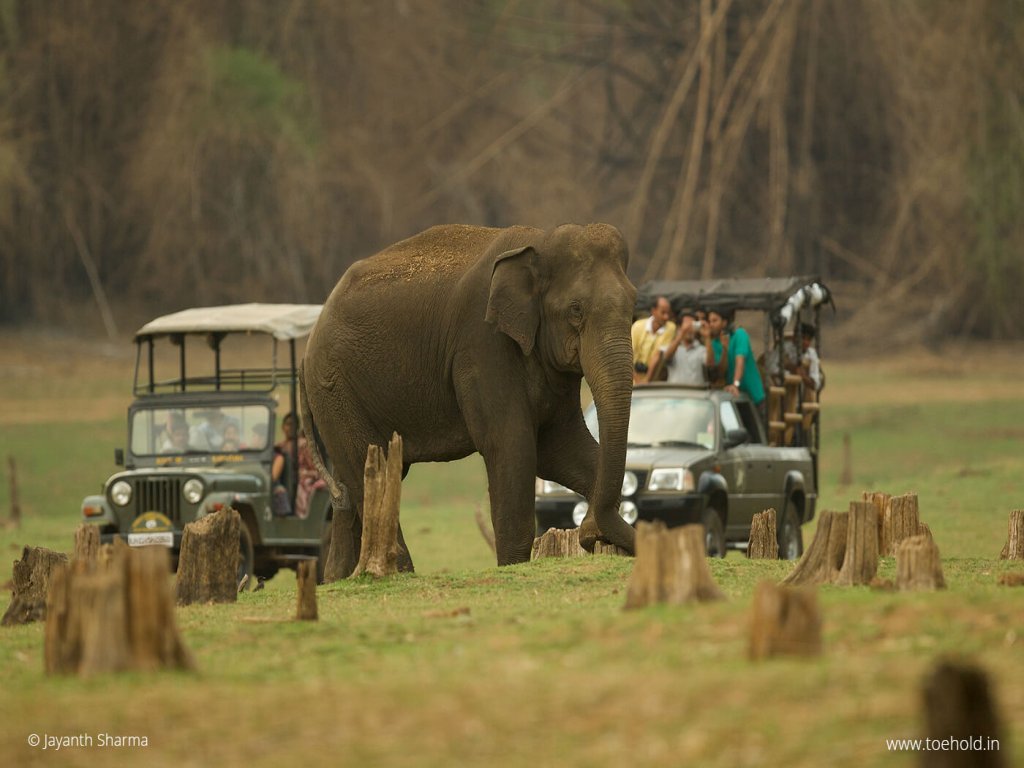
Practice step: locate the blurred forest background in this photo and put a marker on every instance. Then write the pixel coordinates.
(166, 153)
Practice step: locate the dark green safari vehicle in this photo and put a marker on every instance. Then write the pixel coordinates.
(210, 392)
(698, 455)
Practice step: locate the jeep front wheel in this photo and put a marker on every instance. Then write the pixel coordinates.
(790, 535)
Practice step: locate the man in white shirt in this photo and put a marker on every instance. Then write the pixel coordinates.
(684, 355)
(810, 364)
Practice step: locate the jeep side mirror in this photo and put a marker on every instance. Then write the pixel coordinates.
(119, 457)
(734, 437)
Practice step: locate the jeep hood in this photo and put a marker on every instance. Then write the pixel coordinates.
(665, 456)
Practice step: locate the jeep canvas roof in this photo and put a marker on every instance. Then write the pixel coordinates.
(768, 294)
(282, 321)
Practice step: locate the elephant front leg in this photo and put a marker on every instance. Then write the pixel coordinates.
(510, 476)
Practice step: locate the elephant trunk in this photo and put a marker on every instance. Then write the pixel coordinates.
(607, 367)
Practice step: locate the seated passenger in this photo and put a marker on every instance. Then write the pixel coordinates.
(809, 368)
(175, 437)
(231, 441)
(309, 479)
(741, 369)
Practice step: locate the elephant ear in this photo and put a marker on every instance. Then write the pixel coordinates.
(514, 303)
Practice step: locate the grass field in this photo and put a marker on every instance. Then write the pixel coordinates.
(467, 664)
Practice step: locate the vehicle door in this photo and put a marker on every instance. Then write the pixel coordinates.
(765, 464)
(736, 464)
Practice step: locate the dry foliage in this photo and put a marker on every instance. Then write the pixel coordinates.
(187, 152)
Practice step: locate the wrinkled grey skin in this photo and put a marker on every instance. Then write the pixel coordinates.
(466, 339)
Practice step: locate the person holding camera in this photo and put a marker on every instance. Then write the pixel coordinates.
(648, 336)
(684, 356)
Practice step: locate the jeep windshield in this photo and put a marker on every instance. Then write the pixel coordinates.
(666, 420)
(200, 430)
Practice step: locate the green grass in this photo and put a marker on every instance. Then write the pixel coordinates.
(463, 663)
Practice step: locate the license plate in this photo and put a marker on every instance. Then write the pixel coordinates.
(164, 539)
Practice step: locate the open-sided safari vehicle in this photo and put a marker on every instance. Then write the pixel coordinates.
(201, 434)
(705, 455)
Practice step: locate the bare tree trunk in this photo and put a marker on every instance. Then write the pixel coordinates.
(763, 543)
(113, 617)
(31, 580)
(670, 567)
(918, 564)
(786, 621)
(558, 542)
(958, 705)
(1014, 547)
(861, 561)
(880, 503)
(87, 543)
(305, 576)
(901, 521)
(208, 563)
(12, 477)
(382, 492)
(823, 559)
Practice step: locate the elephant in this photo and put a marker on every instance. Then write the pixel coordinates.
(468, 339)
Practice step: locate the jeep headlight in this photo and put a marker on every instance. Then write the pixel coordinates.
(672, 479)
(192, 490)
(121, 493)
(629, 484)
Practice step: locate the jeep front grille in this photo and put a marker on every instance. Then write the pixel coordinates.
(162, 494)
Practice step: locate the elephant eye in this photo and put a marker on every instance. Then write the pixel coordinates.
(575, 312)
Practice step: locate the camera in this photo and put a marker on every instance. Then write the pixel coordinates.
(641, 367)
(697, 324)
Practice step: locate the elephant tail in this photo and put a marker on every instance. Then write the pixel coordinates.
(315, 443)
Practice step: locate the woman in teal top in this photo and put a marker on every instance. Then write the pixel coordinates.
(741, 374)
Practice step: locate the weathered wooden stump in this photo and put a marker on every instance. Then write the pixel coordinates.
(901, 521)
(208, 563)
(671, 567)
(846, 473)
(14, 520)
(861, 560)
(557, 542)
(1014, 547)
(113, 617)
(305, 577)
(30, 585)
(382, 493)
(918, 565)
(822, 560)
(959, 707)
(785, 621)
(879, 502)
(87, 542)
(763, 543)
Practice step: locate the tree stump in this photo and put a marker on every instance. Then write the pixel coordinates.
(861, 561)
(959, 707)
(918, 565)
(846, 473)
(879, 502)
(208, 563)
(822, 560)
(305, 576)
(31, 580)
(382, 492)
(606, 548)
(786, 621)
(113, 617)
(901, 521)
(558, 542)
(12, 473)
(87, 542)
(1014, 547)
(763, 543)
(670, 567)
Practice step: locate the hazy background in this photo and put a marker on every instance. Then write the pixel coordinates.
(167, 153)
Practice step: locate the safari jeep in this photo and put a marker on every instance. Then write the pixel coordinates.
(202, 437)
(703, 455)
